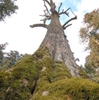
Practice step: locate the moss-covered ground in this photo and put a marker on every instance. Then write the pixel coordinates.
(38, 77)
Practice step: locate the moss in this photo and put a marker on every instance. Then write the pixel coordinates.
(2, 79)
(83, 74)
(40, 53)
(74, 88)
(17, 82)
(14, 85)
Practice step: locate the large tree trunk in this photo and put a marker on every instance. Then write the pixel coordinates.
(57, 43)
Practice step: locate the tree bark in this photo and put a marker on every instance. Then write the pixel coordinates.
(57, 43)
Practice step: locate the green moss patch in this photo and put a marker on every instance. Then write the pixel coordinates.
(40, 78)
(74, 89)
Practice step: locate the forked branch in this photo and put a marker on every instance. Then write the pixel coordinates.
(46, 8)
(69, 21)
(65, 24)
(64, 12)
(46, 12)
(64, 27)
(47, 2)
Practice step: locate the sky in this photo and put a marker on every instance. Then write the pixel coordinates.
(16, 31)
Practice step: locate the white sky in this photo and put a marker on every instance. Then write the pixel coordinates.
(16, 31)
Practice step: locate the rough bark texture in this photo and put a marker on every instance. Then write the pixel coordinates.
(55, 39)
(57, 43)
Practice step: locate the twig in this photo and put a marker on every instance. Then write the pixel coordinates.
(72, 12)
(46, 8)
(64, 12)
(59, 7)
(67, 26)
(70, 20)
(46, 18)
(47, 2)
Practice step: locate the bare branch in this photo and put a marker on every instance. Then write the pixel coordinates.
(59, 7)
(46, 18)
(64, 12)
(46, 12)
(69, 21)
(39, 25)
(51, 1)
(47, 2)
(67, 26)
(46, 8)
(46, 15)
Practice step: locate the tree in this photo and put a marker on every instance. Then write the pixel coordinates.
(12, 57)
(55, 39)
(2, 47)
(7, 7)
(90, 33)
(8, 59)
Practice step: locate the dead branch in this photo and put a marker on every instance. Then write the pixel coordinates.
(46, 12)
(59, 7)
(39, 25)
(46, 8)
(69, 21)
(51, 1)
(67, 26)
(45, 19)
(47, 2)
(64, 12)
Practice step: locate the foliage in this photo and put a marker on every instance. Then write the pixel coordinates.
(8, 59)
(2, 47)
(7, 7)
(90, 33)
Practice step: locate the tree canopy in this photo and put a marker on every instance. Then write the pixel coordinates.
(90, 33)
(7, 7)
(8, 59)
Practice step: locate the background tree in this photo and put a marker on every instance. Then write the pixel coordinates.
(8, 59)
(90, 33)
(55, 39)
(7, 7)
(2, 47)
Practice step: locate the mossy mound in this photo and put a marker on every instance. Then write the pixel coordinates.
(38, 77)
(68, 89)
(17, 83)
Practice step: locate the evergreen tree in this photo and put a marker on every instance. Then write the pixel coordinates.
(90, 33)
(2, 47)
(8, 59)
(7, 7)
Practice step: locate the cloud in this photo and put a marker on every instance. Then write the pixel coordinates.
(73, 32)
